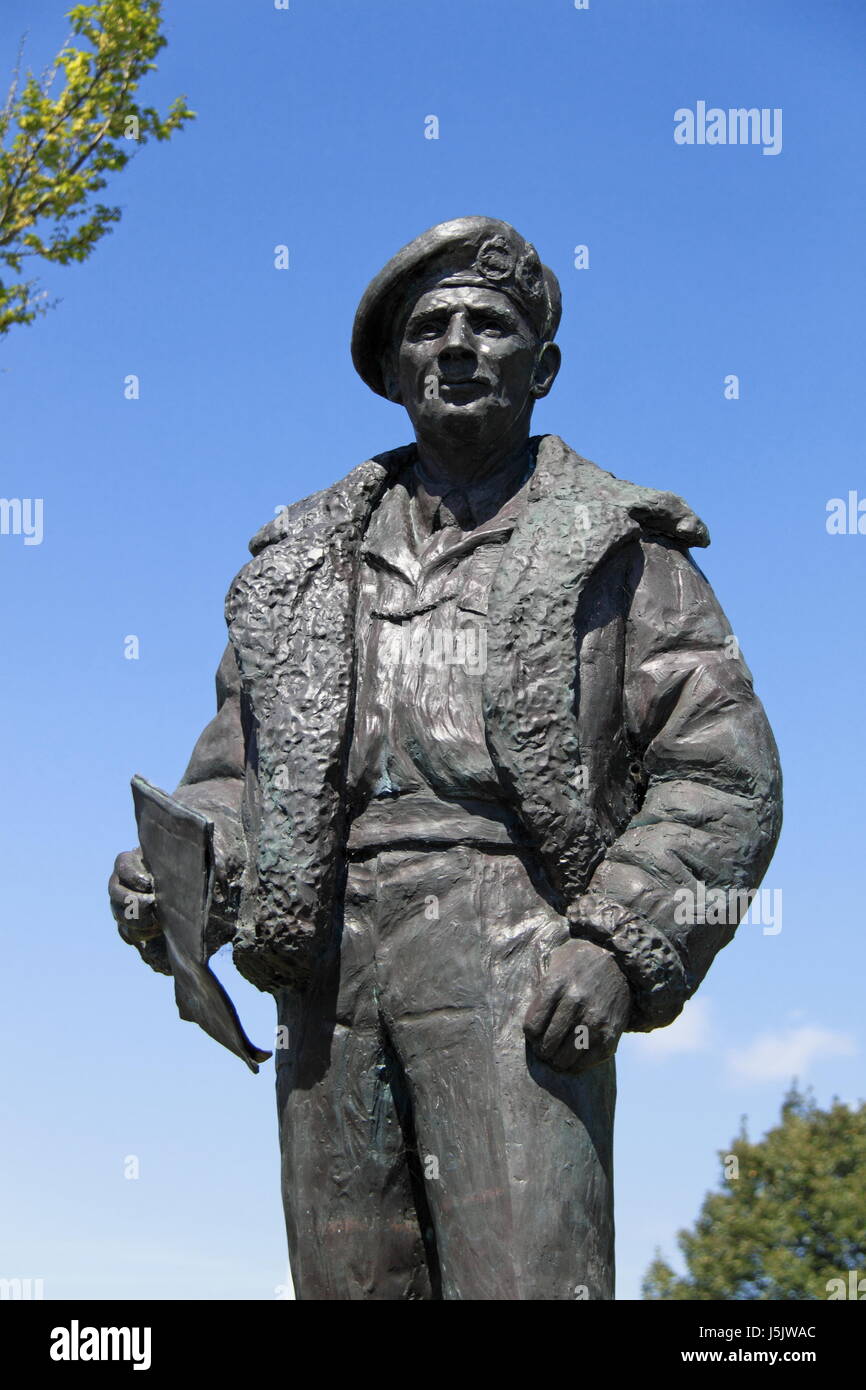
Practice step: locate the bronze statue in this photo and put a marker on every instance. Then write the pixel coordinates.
(480, 720)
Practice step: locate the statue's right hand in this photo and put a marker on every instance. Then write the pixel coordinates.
(133, 903)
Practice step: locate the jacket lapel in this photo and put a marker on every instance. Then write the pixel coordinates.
(576, 515)
(291, 619)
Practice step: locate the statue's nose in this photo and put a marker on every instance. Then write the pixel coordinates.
(457, 337)
(456, 354)
(456, 351)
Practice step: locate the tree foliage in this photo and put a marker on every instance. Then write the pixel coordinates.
(790, 1218)
(57, 146)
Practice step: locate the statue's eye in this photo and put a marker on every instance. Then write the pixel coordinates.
(428, 328)
(492, 327)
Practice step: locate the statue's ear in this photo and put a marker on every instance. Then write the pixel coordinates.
(547, 367)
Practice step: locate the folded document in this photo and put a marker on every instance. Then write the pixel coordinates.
(177, 846)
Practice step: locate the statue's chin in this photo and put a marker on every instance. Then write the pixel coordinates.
(463, 426)
(475, 422)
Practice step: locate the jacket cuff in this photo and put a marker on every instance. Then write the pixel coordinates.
(650, 964)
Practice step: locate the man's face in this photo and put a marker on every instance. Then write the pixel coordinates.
(468, 364)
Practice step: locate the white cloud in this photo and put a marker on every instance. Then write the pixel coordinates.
(784, 1055)
(688, 1033)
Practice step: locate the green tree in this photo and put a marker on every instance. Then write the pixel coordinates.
(791, 1215)
(57, 147)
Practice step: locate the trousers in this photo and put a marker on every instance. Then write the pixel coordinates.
(426, 1152)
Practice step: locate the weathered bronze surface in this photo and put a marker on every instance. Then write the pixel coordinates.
(480, 721)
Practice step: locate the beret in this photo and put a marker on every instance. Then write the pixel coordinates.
(479, 251)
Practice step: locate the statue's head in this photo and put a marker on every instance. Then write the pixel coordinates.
(458, 328)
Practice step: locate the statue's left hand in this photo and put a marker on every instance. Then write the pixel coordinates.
(580, 1008)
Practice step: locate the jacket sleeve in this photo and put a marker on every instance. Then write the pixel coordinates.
(711, 810)
(213, 784)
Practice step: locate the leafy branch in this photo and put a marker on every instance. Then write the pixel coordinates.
(56, 150)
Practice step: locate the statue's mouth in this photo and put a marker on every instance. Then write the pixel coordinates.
(462, 392)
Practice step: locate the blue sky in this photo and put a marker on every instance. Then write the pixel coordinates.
(704, 261)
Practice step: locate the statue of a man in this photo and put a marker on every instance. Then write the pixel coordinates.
(482, 731)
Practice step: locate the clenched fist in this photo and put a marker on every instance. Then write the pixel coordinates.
(580, 1008)
(131, 892)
